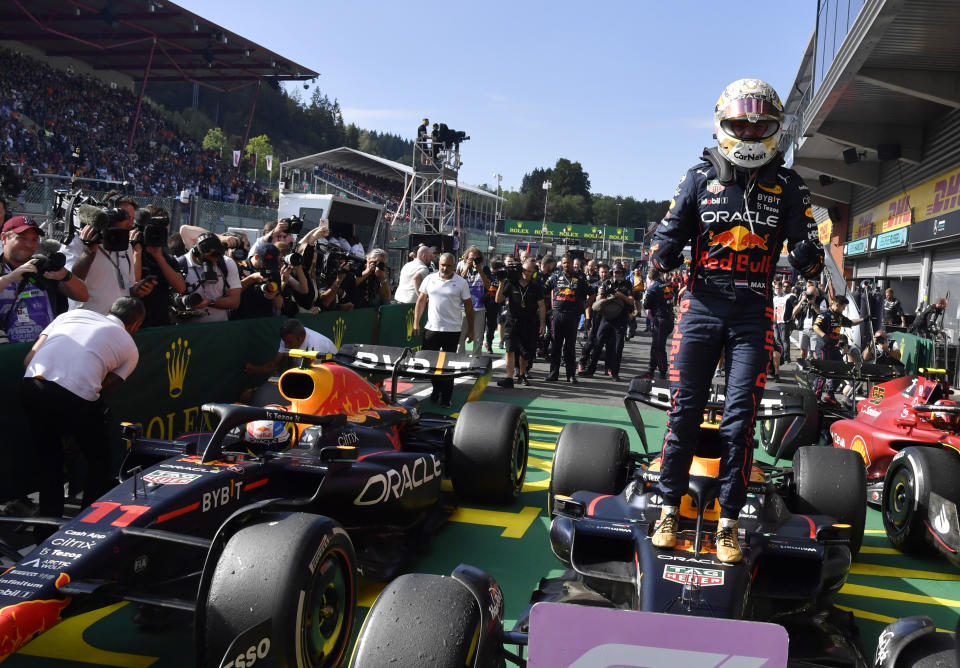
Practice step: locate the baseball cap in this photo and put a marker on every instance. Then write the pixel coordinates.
(618, 267)
(19, 224)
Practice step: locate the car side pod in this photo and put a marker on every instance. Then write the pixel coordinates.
(905, 633)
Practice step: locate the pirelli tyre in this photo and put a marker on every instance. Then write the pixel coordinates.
(831, 481)
(911, 476)
(591, 458)
(419, 620)
(283, 593)
(488, 458)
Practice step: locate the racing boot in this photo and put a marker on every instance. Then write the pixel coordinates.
(665, 533)
(728, 544)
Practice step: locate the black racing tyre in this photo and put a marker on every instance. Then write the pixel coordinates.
(488, 460)
(419, 620)
(296, 570)
(934, 650)
(590, 458)
(832, 481)
(911, 476)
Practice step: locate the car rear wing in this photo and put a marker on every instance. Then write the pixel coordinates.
(774, 403)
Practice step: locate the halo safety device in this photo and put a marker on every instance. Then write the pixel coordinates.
(748, 121)
(945, 419)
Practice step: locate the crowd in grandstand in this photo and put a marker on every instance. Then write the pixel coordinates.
(70, 124)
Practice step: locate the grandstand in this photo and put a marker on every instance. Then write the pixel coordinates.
(72, 78)
(374, 179)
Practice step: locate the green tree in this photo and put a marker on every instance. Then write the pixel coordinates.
(261, 147)
(214, 140)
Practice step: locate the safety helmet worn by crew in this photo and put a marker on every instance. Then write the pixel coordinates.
(748, 121)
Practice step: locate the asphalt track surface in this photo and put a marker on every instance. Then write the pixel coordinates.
(512, 543)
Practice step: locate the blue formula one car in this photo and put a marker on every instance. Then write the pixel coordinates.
(260, 528)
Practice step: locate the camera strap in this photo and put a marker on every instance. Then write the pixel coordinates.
(116, 265)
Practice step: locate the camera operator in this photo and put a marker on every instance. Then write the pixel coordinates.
(80, 358)
(236, 245)
(103, 261)
(412, 274)
(293, 282)
(373, 288)
(477, 276)
(613, 305)
(590, 327)
(213, 277)
(26, 306)
(153, 263)
(526, 307)
(336, 289)
(261, 281)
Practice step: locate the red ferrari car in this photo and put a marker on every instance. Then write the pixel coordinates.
(908, 434)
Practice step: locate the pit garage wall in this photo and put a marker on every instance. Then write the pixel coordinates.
(181, 368)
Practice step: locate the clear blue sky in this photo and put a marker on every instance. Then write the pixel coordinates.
(626, 88)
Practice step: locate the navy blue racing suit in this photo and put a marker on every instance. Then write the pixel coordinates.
(661, 326)
(736, 228)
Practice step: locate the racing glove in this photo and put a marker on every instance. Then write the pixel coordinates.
(807, 258)
(666, 256)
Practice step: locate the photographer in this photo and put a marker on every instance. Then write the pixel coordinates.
(373, 289)
(477, 276)
(211, 276)
(336, 280)
(26, 306)
(293, 282)
(260, 284)
(805, 313)
(613, 306)
(526, 307)
(80, 358)
(153, 263)
(101, 258)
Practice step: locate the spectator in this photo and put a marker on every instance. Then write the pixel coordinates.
(294, 336)
(441, 296)
(412, 275)
(477, 276)
(525, 320)
(156, 265)
(80, 358)
(212, 276)
(26, 307)
(783, 305)
(373, 289)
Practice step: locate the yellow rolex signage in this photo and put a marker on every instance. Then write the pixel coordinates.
(177, 361)
(567, 230)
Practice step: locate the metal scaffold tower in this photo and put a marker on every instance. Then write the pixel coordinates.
(434, 190)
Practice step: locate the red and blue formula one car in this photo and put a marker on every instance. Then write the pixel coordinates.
(261, 528)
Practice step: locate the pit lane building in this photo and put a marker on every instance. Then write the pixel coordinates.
(874, 129)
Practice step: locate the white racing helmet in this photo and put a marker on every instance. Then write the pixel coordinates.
(748, 120)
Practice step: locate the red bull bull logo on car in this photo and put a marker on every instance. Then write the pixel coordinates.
(22, 622)
(738, 238)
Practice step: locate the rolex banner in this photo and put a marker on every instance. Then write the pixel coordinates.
(180, 369)
(396, 326)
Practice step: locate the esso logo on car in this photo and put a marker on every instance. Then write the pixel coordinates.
(249, 658)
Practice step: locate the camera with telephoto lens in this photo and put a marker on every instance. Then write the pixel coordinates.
(271, 275)
(51, 262)
(380, 265)
(186, 302)
(153, 229)
(332, 260)
(294, 224)
(293, 259)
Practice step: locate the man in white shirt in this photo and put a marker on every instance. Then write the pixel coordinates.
(213, 276)
(412, 275)
(81, 357)
(444, 296)
(108, 274)
(293, 335)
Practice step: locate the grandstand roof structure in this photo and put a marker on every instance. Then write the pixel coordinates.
(145, 39)
(365, 163)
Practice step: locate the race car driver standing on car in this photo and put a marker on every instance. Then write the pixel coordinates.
(735, 209)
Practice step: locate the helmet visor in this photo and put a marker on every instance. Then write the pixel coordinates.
(751, 108)
(741, 128)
